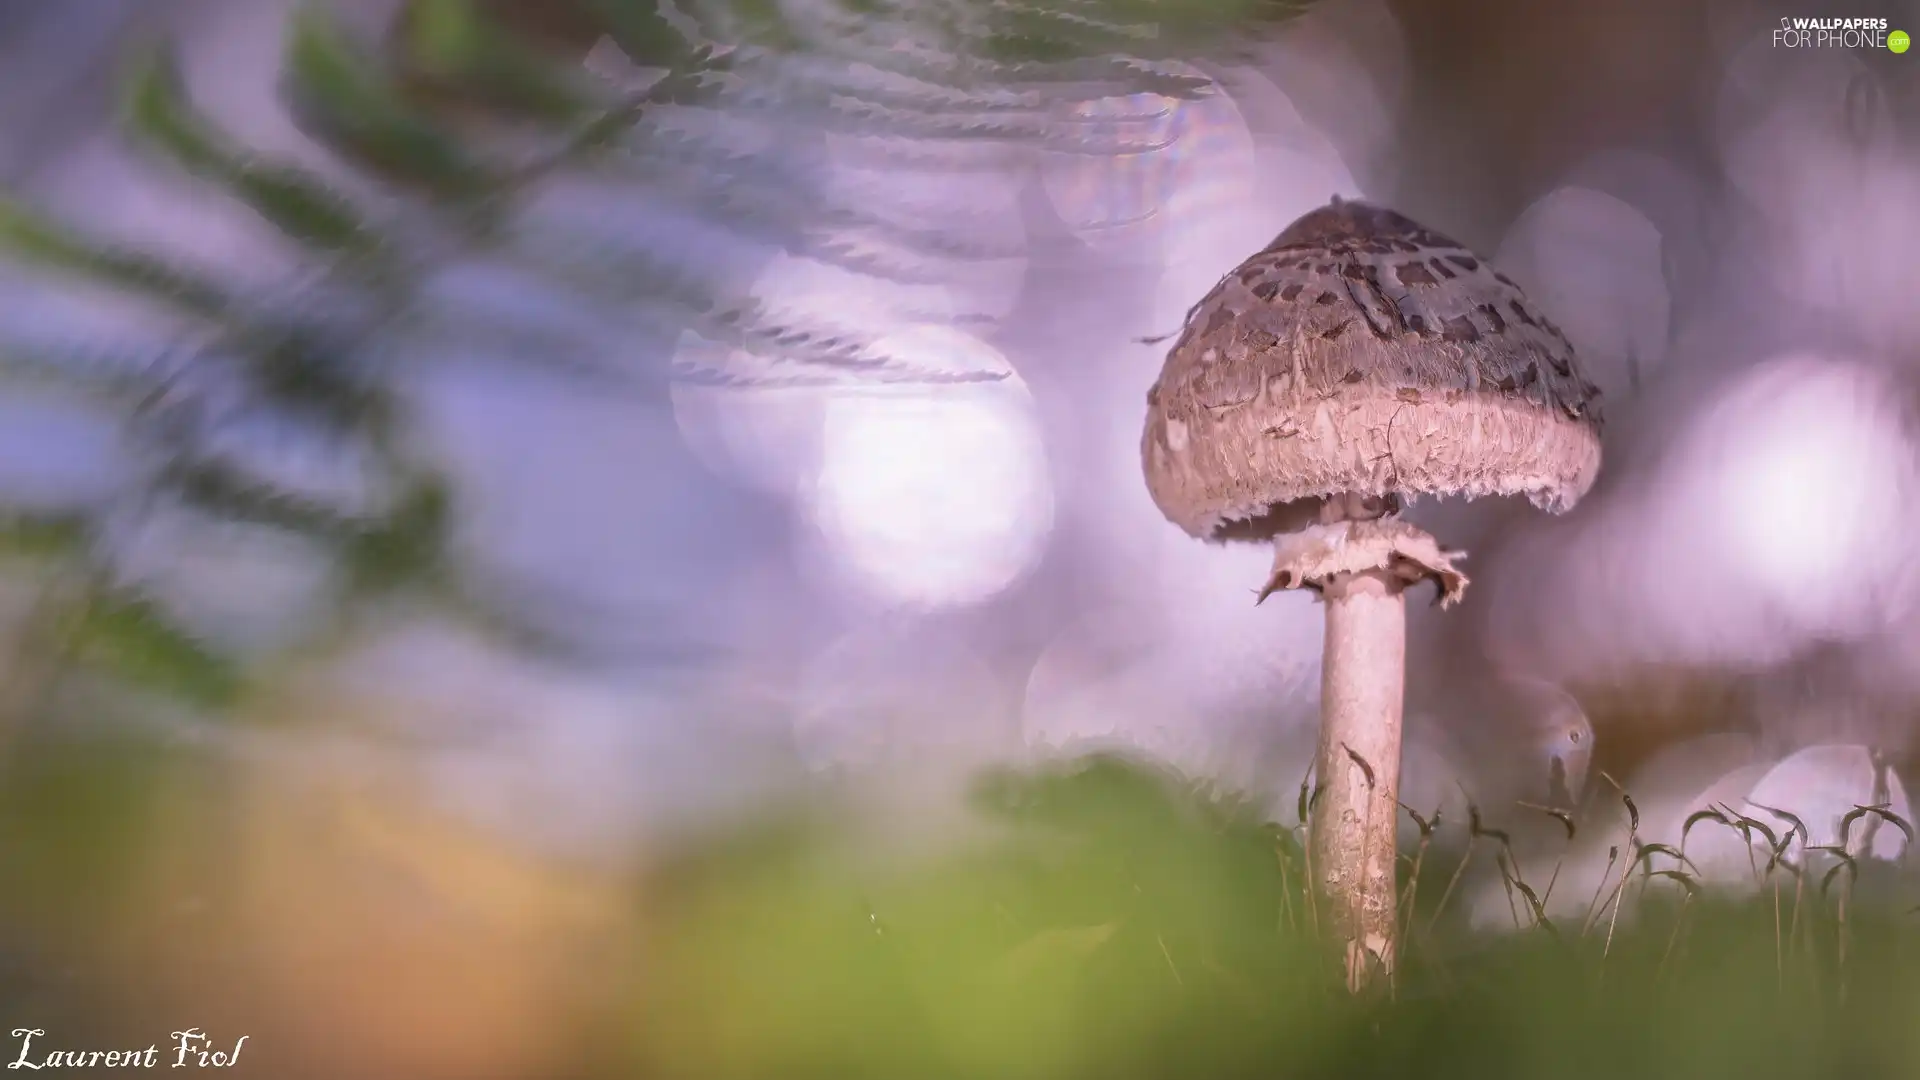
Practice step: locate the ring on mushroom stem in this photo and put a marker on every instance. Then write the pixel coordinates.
(1358, 361)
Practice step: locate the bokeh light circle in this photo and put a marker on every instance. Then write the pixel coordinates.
(1807, 473)
(933, 496)
(1594, 263)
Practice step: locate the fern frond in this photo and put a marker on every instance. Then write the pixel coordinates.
(39, 242)
(694, 374)
(312, 371)
(701, 361)
(157, 110)
(763, 125)
(648, 286)
(406, 546)
(448, 48)
(646, 34)
(341, 94)
(224, 491)
(875, 256)
(1044, 133)
(462, 327)
(116, 376)
(763, 208)
(132, 637)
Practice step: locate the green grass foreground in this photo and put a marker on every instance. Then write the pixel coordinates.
(1122, 926)
(1108, 923)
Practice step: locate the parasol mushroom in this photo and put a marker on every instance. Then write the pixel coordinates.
(1358, 361)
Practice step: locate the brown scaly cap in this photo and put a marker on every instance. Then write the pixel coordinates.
(1362, 354)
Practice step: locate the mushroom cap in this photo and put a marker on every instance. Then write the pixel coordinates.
(1363, 354)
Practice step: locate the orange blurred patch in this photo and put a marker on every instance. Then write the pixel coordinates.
(395, 941)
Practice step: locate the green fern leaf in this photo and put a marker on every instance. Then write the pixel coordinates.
(720, 378)
(35, 240)
(609, 128)
(223, 491)
(760, 205)
(130, 637)
(307, 371)
(348, 100)
(105, 375)
(156, 108)
(647, 286)
(640, 31)
(408, 546)
(452, 49)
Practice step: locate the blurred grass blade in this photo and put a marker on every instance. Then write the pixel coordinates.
(1685, 879)
(156, 108)
(1750, 825)
(1794, 824)
(346, 99)
(1698, 816)
(1878, 810)
(1644, 853)
(1843, 861)
(37, 241)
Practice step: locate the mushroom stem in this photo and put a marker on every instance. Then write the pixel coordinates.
(1354, 827)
